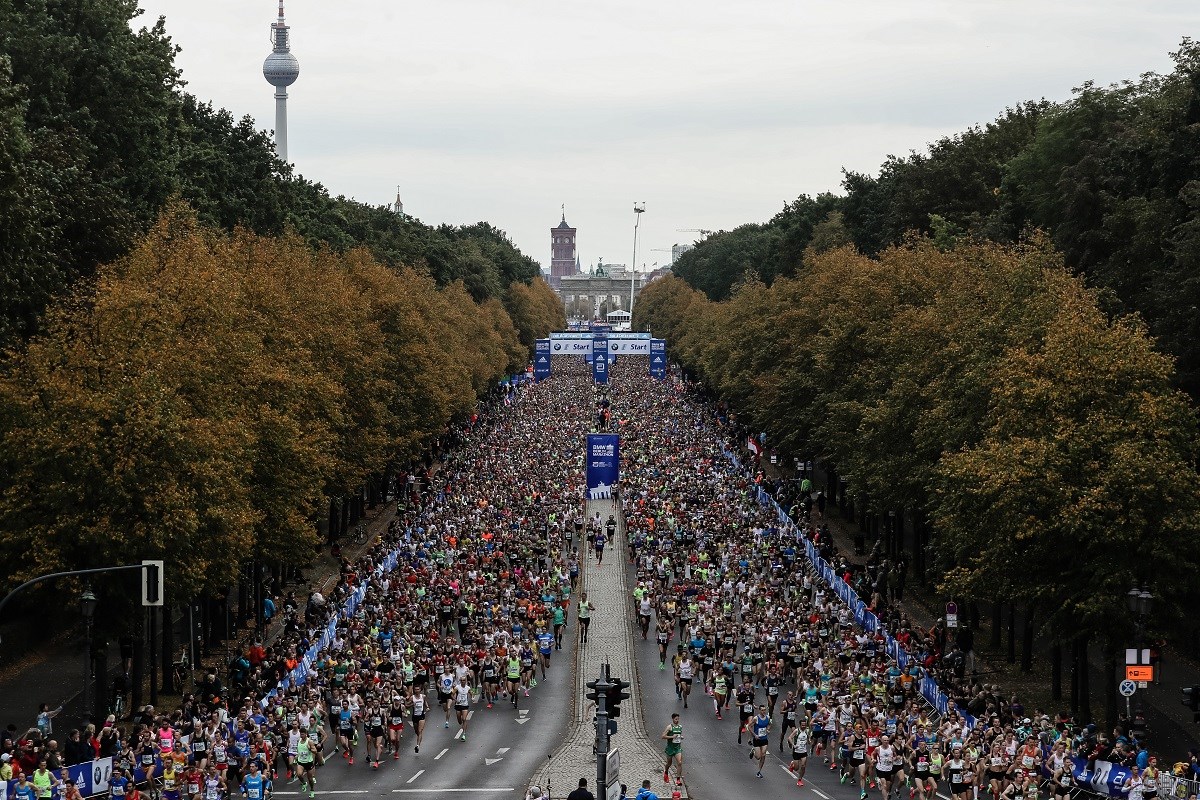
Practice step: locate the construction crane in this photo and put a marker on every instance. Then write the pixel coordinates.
(694, 230)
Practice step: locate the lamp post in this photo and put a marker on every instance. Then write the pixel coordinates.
(1140, 602)
(638, 210)
(87, 605)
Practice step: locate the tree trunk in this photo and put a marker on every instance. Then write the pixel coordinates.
(152, 656)
(1085, 690)
(997, 625)
(1027, 641)
(1074, 676)
(167, 650)
(1056, 655)
(1110, 686)
(918, 546)
(1012, 633)
(138, 670)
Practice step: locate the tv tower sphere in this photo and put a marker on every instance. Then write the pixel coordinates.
(281, 69)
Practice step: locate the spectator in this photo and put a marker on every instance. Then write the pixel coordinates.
(582, 792)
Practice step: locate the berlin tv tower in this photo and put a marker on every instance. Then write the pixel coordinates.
(281, 69)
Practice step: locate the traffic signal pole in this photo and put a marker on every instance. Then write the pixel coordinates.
(602, 687)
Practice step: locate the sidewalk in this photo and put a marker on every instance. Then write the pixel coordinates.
(610, 639)
(53, 674)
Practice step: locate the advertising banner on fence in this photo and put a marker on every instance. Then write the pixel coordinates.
(658, 358)
(541, 359)
(603, 463)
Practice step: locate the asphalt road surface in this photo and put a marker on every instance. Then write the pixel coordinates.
(503, 748)
(715, 766)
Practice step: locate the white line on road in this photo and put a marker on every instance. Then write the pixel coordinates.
(491, 789)
(414, 777)
(331, 791)
(789, 772)
(502, 750)
(439, 755)
(819, 792)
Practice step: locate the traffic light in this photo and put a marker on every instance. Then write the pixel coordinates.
(593, 693)
(618, 690)
(152, 583)
(1191, 699)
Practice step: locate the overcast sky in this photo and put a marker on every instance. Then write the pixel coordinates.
(713, 113)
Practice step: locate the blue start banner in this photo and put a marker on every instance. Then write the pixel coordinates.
(599, 358)
(541, 359)
(658, 358)
(603, 463)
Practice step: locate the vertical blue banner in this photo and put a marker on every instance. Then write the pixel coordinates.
(600, 358)
(658, 358)
(603, 462)
(541, 359)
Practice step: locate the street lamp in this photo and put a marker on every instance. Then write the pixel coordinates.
(87, 605)
(1140, 602)
(638, 210)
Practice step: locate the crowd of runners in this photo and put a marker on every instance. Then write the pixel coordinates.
(746, 632)
(470, 617)
(481, 597)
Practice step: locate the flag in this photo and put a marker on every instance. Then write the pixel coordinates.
(753, 444)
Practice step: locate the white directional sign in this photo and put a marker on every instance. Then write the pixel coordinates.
(1127, 688)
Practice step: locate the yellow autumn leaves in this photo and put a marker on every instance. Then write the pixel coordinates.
(207, 395)
(982, 390)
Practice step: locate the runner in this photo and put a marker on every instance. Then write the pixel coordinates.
(306, 767)
(585, 616)
(419, 705)
(760, 730)
(462, 706)
(798, 740)
(673, 736)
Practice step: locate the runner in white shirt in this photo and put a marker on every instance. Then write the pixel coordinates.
(462, 704)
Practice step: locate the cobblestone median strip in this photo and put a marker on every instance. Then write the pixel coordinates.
(610, 638)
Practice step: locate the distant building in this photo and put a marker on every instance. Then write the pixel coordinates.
(564, 260)
(679, 249)
(605, 289)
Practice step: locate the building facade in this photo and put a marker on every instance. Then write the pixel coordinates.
(564, 258)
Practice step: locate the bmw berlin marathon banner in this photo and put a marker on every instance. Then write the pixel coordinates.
(541, 359)
(603, 463)
(658, 358)
(600, 358)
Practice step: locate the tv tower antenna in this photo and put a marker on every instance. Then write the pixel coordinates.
(281, 69)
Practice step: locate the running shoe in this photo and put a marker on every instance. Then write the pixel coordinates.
(800, 782)
(351, 760)
(417, 749)
(758, 775)
(666, 778)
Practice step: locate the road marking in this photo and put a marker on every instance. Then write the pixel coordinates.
(330, 791)
(439, 755)
(414, 777)
(458, 734)
(524, 712)
(490, 761)
(489, 789)
(502, 750)
(819, 792)
(789, 772)
(522, 720)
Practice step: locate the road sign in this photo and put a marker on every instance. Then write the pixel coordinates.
(951, 615)
(612, 765)
(614, 791)
(1139, 673)
(1127, 688)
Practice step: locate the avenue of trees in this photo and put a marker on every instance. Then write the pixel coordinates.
(1030, 442)
(1112, 175)
(204, 357)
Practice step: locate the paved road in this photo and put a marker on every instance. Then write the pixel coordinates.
(516, 743)
(714, 765)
